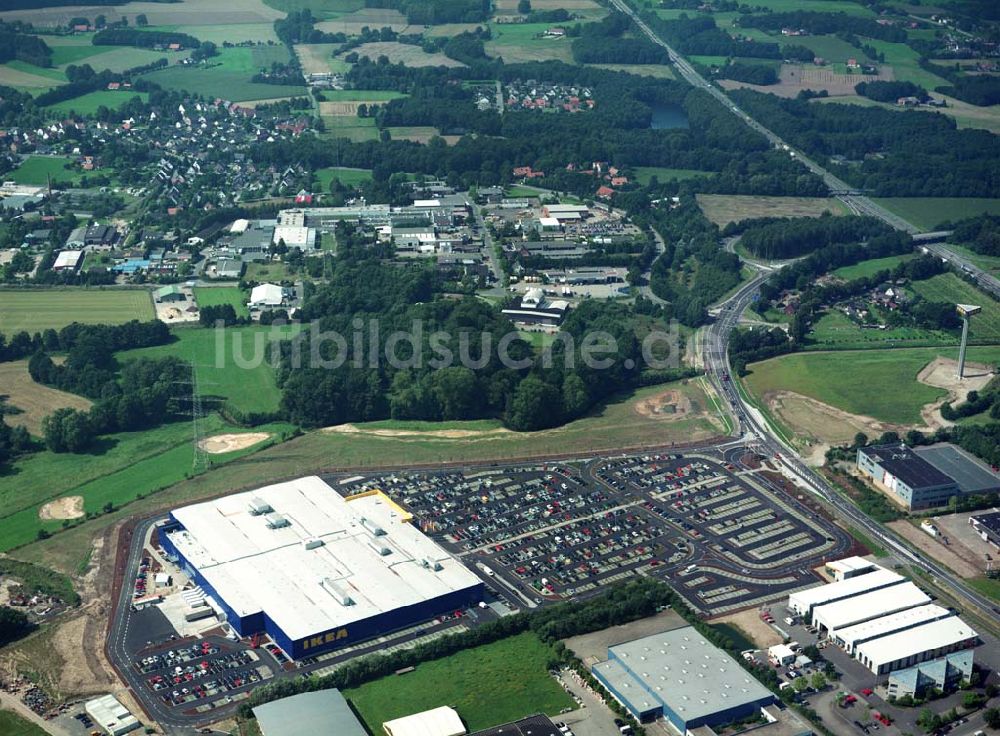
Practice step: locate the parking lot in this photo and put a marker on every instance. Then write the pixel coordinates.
(563, 531)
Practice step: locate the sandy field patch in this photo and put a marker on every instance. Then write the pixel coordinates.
(315, 58)
(344, 108)
(668, 406)
(725, 208)
(34, 400)
(404, 53)
(933, 547)
(750, 623)
(794, 78)
(69, 507)
(444, 434)
(220, 443)
(943, 373)
(352, 23)
(188, 13)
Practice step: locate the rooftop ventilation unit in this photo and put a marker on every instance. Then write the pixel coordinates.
(372, 527)
(431, 564)
(337, 591)
(379, 548)
(259, 506)
(312, 543)
(276, 521)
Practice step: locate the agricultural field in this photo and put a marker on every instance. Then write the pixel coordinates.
(12, 723)
(644, 173)
(352, 23)
(361, 95)
(834, 331)
(182, 15)
(317, 58)
(487, 685)
(346, 176)
(964, 114)
(27, 81)
(27, 403)
(870, 267)
(228, 75)
(121, 468)
(322, 9)
(929, 212)
(905, 64)
(420, 134)
(828, 47)
(247, 389)
(212, 296)
(725, 208)
(352, 128)
(521, 42)
(657, 71)
(89, 103)
(404, 53)
(855, 381)
(947, 287)
(35, 310)
(36, 170)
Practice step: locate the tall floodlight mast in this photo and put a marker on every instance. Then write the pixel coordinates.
(965, 311)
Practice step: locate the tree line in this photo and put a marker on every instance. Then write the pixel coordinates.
(976, 89)
(820, 23)
(437, 12)
(981, 234)
(791, 237)
(701, 36)
(882, 91)
(604, 42)
(143, 39)
(17, 46)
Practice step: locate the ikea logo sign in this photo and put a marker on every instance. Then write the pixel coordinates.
(327, 638)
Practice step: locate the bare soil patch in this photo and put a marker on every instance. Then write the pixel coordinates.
(749, 621)
(346, 108)
(406, 54)
(943, 373)
(220, 443)
(725, 208)
(794, 78)
(34, 400)
(933, 547)
(69, 507)
(668, 406)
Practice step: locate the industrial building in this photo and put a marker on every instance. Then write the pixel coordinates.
(682, 677)
(68, 260)
(533, 308)
(849, 567)
(313, 570)
(537, 725)
(943, 673)
(833, 617)
(905, 476)
(926, 477)
(919, 644)
(987, 526)
(108, 713)
(803, 602)
(852, 636)
(443, 721)
(317, 713)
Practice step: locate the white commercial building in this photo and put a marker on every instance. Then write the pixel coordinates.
(781, 654)
(916, 645)
(804, 601)
(111, 715)
(314, 570)
(302, 238)
(853, 636)
(833, 617)
(443, 721)
(849, 567)
(67, 260)
(267, 295)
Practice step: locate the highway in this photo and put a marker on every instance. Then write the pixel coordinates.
(856, 201)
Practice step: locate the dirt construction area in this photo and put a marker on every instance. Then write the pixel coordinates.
(797, 77)
(222, 443)
(31, 401)
(70, 507)
(943, 373)
(953, 555)
(750, 623)
(669, 406)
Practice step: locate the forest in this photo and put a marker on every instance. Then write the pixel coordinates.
(882, 91)
(143, 39)
(17, 46)
(605, 42)
(981, 234)
(921, 154)
(791, 237)
(818, 23)
(976, 89)
(437, 12)
(700, 35)
(750, 73)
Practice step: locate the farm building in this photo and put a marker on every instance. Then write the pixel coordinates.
(804, 602)
(313, 570)
(172, 293)
(443, 721)
(987, 526)
(68, 260)
(919, 644)
(906, 477)
(851, 637)
(943, 673)
(833, 617)
(682, 677)
(317, 713)
(111, 715)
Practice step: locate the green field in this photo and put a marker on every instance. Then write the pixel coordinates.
(212, 296)
(39, 309)
(871, 267)
(644, 173)
(228, 75)
(830, 48)
(346, 176)
(12, 724)
(834, 331)
(348, 126)
(520, 42)
(929, 212)
(488, 685)
(905, 63)
(856, 381)
(361, 95)
(947, 287)
(246, 389)
(89, 103)
(121, 468)
(269, 271)
(322, 9)
(37, 169)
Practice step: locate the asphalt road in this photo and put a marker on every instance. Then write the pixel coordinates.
(854, 200)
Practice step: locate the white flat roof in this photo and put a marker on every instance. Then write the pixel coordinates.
(108, 713)
(443, 721)
(294, 235)
(68, 259)
(892, 623)
(879, 577)
(866, 606)
(920, 639)
(849, 564)
(254, 567)
(566, 208)
(548, 221)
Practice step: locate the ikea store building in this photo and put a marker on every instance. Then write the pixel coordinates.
(315, 570)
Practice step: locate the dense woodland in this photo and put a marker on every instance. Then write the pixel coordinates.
(436, 12)
(890, 91)
(818, 24)
(700, 35)
(143, 39)
(605, 42)
(909, 154)
(17, 46)
(981, 234)
(791, 237)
